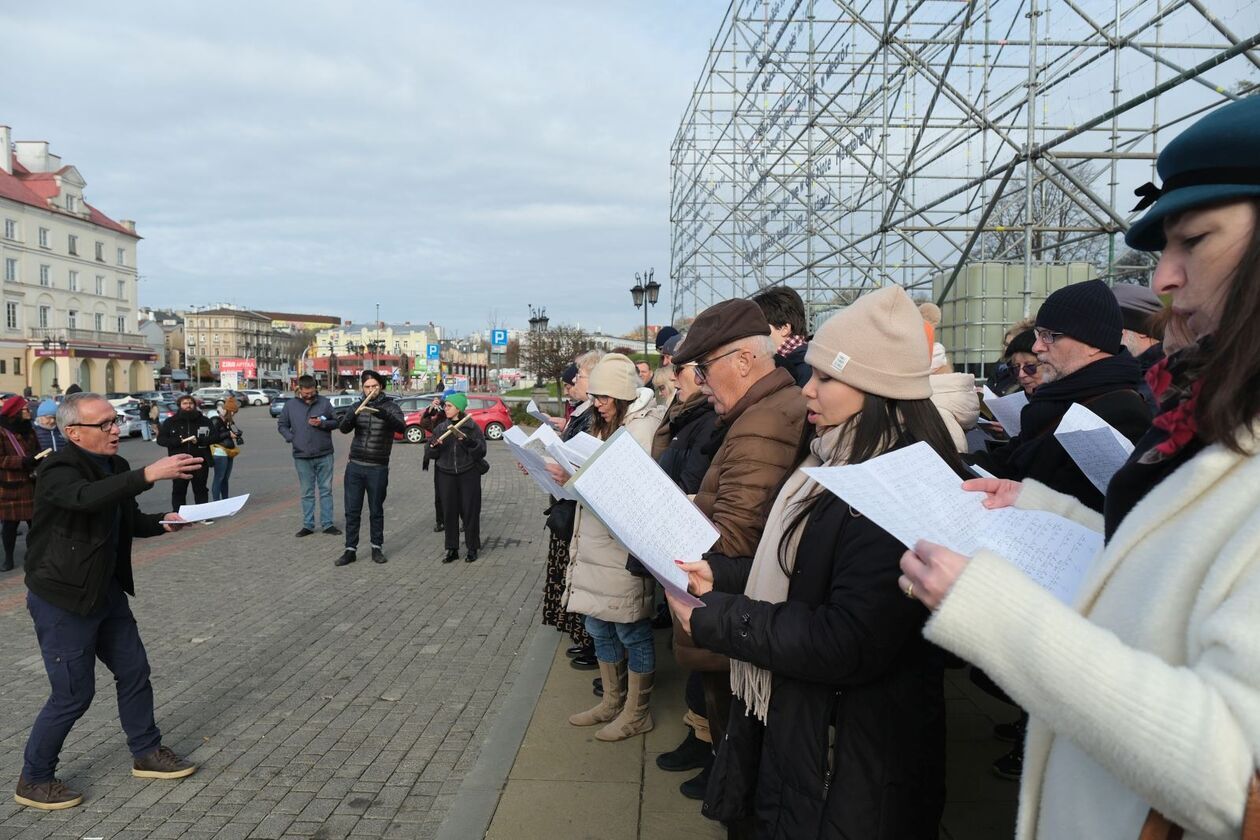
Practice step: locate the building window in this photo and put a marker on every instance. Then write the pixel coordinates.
(122, 256)
(44, 239)
(10, 269)
(10, 229)
(17, 365)
(122, 323)
(99, 321)
(11, 314)
(72, 319)
(122, 289)
(100, 252)
(70, 207)
(45, 315)
(73, 243)
(100, 284)
(1, 365)
(74, 280)
(45, 275)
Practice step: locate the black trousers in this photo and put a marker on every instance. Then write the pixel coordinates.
(460, 495)
(437, 499)
(201, 494)
(9, 531)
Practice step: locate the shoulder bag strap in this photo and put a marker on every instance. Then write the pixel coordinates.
(1159, 827)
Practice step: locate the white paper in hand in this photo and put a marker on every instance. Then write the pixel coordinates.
(534, 411)
(526, 452)
(210, 510)
(912, 494)
(1006, 409)
(617, 485)
(1097, 448)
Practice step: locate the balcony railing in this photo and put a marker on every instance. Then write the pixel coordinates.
(75, 336)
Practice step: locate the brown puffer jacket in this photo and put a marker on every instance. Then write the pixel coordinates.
(763, 440)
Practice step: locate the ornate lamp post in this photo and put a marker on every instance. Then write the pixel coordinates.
(332, 366)
(645, 291)
(537, 331)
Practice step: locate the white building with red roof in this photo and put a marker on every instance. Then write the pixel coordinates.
(69, 282)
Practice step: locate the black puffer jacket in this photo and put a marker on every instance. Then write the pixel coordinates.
(851, 669)
(194, 424)
(456, 454)
(686, 458)
(373, 430)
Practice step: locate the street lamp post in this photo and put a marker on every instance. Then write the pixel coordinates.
(537, 330)
(645, 291)
(332, 366)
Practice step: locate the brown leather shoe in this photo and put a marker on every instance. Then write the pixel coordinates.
(46, 796)
(162, 763)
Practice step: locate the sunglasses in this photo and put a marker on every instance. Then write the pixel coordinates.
(1028, 369)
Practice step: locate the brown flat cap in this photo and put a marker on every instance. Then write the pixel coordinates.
(721, 324)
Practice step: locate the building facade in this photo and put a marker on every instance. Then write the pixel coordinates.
(69, 282)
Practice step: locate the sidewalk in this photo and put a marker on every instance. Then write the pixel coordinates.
(565, 784)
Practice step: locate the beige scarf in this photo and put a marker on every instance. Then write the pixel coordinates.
(766, 581)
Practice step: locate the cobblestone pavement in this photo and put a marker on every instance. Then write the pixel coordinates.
(320, 702)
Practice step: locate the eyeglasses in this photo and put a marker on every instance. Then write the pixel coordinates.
(104, 425)
(600, 398)
(702, 368)
(1045, 336)
(1028, 369)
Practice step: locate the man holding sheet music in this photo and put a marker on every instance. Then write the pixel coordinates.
(1083, 362)
(78, 573)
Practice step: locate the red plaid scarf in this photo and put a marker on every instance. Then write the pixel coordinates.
(792, 342)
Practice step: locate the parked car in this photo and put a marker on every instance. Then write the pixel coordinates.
(277, 405)
(487, 410)
(133, 423)
(255, 396)
(151, 395)
(342, 403)
(210, 397)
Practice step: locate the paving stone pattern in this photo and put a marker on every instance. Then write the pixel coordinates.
(320, 702)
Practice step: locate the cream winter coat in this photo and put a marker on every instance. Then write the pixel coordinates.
(954, 395)
(598, 583)
(1148, 692)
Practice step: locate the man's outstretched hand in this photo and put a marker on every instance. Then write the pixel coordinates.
(171, 467)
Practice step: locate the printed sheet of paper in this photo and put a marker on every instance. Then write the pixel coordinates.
(532, 455)
(1006, 409)
(616, 484)
(573, 453)
(211, 510)
(534, 411)
(1097, 448)
(912, 494)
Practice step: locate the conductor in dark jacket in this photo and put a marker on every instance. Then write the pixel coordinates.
(78, 573)
(374, 423)
(459, 449)
(189, 432)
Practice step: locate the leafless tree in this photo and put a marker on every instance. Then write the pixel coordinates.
(548, 354)
(1062, 229)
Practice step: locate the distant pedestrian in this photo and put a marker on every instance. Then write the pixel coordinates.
(187, 432)
(229, 439)
(78, 573)
(306, 423)
(374, 422)
(46, 431)
(785, 312)
(645, 373)
(459, 448)
(18, 447)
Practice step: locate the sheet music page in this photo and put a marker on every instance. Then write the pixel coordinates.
(583, 446)
(617, 484)
(1006, 409)
(912, 494)
(534, 411)
(212, 510)
(1097, 448)
(534, 462)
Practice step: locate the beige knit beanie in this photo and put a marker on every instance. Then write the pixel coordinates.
(615, 376)
(876, 346)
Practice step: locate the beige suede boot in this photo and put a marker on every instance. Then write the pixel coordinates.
(635, 717)
(614, 676)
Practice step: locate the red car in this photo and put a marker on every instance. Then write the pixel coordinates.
(487, 411)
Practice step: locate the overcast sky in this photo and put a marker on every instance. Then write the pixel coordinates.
(448, 160)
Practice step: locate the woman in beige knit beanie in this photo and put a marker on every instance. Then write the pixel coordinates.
(819, 637)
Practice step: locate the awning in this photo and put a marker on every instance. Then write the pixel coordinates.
(179, 375)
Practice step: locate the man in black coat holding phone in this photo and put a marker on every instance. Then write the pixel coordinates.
(78, 577)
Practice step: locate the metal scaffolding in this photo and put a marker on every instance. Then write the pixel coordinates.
(840, 146)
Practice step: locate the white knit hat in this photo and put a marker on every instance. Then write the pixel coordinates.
(614, 376)
(876, 346)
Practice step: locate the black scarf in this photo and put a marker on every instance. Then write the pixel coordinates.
(1052, 400)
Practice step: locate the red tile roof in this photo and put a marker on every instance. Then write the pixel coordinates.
(35, 188)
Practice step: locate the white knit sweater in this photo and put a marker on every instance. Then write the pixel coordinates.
(1148, 693)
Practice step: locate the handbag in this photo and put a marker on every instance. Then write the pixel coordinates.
(1159, 827)
(483, 466)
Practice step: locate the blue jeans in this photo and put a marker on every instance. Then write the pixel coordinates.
(613, 639)
(372, 480)
(316, 473)
(71, 644)
(222, 470)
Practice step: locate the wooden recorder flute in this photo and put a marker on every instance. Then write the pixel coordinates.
(363, 406)
(454, 429)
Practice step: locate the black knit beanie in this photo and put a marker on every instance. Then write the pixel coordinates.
(1085, 311)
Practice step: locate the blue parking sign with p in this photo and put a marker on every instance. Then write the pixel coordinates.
(433, 351)
(499, 338)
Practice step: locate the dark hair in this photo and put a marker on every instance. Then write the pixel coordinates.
(371, 374)
(882, 425)
(1230, 397)
(306, 381)
(782, 305)
(603, 430)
